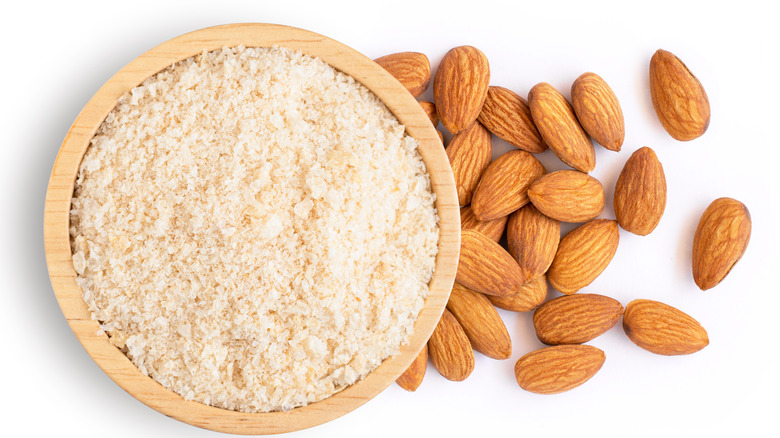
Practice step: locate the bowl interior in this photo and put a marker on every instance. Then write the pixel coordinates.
(60, 190)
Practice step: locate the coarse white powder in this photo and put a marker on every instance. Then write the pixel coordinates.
(253, 229)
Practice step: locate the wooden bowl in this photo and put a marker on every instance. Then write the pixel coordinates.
(60, 190)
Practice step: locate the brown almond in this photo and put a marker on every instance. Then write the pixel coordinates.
(412, 69)
(640, 193)
(720, 241)
(480, 321)
(507, 115)
(486, 267)
(598, 110)
(469, 153)
(555, 119)
(678, 97)
(450, 350)
(661, 329)
(583, 254)
(493, 229)
(532, 239)
(552, 370)
(430, 111)
(529, 296)
(503, 187)
(460, 87)
(411, 379)
(575, 319)
(568, 196)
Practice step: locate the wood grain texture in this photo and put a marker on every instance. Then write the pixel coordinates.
(412, 378)
(58, 201)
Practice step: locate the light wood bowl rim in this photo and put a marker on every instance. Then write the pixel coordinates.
(60, 189)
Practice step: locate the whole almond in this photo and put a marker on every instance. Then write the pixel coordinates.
(555, 119)
(469, 152)
(507, 115)
(529, 296)
(583, 254)
(662, 329)
(575, 319)
(411, 379)
(567, 196)
(412, 69)
(450, 350)
(503, 187)
(486, 267)
(430, 111)
(552, 370)
(480, 321)
(640, 193)
(720, 241)
(678, 97)
(460, 87)
(532, 239)
(493, 229)
(598, 110)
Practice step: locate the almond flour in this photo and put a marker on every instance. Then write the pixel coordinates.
(253, 229)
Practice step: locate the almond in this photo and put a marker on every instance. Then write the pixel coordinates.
(503, 187)
(552, 370)
(568, 196)
(430, 111)
(678, 97)
(532, 239)
(507, 115)
(412, 69)
(575, 319)
(450, 350)
(662, 329)
(480, 321)
(460, 87)
(598, 110)
(720, 241)
(411, 379)
(640, 193)
(529, 296)
(583, 254)
(469, 153)
(493, 229)
(486, 267)
(555, 119)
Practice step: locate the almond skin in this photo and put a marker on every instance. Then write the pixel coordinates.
(583, 254)
(450, 350)
(412, 69)
(598, 110)
(678, 97)
(493, 229)
(504, 185)
(661, 329)
(481, 322)
(411, 379)
(430, 111)
(532, 239)
(469, 153)
(555, 119)
(486, 267)
(529, 296)
(575, 319)
(460, 87)
(640, 193)
(720, 241)
(507, 115)
(568, 196)
(557, 369)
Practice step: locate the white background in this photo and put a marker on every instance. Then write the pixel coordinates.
(57, 54)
